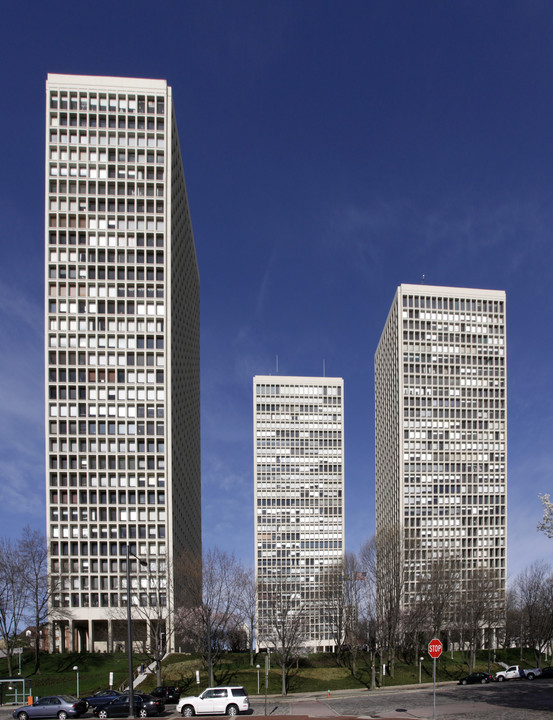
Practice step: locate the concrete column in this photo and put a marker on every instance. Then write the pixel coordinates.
(51, 636)
(110, 636)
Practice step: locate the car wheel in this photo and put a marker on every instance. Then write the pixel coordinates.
(22, 716)
(530, 676)
(500, 678)
(483, 681)
(142, 712)
(232, 710)
(62, 715)
(102, 714)
(463, 682)
(187, 711)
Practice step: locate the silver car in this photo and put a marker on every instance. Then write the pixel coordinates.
(52, 706)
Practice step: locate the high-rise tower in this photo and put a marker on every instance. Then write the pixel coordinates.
(299, 504)
(122, 359)
(441, 446)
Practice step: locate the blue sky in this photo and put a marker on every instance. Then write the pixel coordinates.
(332, 151)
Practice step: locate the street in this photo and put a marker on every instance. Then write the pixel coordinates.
(497, 701)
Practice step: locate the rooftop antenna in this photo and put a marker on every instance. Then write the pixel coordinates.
(277, 364)
(423, 279)
(324, 367)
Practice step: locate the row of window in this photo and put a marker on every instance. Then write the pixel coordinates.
(295, 390)
(121, 122)
(73, 548)
(141, 462)
(92, 480)
(110, 222)
(92, 240)
(103, 600)
(82, 187)
(92, 100)
(448, 303)
(95, 565)
(129, 205)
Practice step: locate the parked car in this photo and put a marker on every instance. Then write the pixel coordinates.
(102, 698)
(169, 693)
(547, 672)
(229, 700)
(476, 677)
(144, 705)
(51, 706)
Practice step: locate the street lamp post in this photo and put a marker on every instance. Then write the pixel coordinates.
(257, 667)
(76, 669)
(129, 635)
(420, 670)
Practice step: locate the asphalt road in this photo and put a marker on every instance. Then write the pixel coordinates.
(514, 700)
(497, 701)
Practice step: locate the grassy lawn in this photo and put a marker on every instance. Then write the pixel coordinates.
(316, 673)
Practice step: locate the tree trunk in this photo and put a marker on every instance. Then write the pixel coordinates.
(283, 679)
(37, 651)
(373, 670)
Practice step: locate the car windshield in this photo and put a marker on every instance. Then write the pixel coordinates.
(68, 698)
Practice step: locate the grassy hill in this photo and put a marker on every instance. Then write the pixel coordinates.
(315, 673)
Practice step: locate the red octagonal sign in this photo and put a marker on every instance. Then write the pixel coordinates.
(435, 648)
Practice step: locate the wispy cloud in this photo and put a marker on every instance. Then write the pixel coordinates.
(22, 408)
(459, 228)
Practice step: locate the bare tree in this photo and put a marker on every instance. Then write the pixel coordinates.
(13, 596)
(479, 608)
(546, 523)
(284, 624)
(389, 575)
(512, 632)
(336, 610)
(414, 635)
(346, 609)
(213, 589)
(535, 590)
(151, 593)
(35, 577)
(372, 623)
(247, 602)
(437, 588)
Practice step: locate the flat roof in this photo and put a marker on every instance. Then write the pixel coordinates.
(105, 81)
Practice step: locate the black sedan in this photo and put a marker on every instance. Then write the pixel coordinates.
(477, 677)
(102, 698)
(144, 705)
(546, 672)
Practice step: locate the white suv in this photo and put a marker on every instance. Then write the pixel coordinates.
(224, 700)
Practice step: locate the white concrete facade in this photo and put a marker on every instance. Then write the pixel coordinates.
(122, 311)
(298, 496)
(441, 434)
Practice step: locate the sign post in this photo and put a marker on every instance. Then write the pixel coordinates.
(435, 648)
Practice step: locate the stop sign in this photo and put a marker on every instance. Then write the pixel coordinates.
(435, 648)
